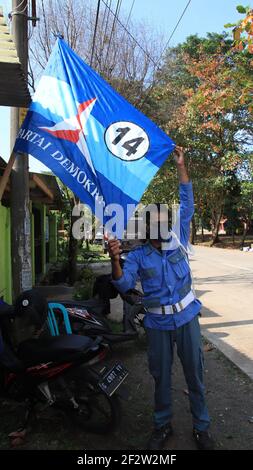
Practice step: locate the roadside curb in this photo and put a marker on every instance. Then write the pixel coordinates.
(239, 359)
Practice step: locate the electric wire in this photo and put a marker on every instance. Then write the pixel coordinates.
(95, 32)
(113, 27)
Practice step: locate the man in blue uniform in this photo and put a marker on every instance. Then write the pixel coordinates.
(172, 316)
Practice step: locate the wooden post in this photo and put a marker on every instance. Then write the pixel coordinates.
(19, 195)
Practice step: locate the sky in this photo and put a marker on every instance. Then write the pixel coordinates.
(201, 16)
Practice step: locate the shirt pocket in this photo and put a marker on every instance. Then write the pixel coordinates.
(150, 279)
(179, 264)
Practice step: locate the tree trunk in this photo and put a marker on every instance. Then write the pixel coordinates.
(245, 231)
(215, 229)
(202, 233)
(233, 236)
(193, 231)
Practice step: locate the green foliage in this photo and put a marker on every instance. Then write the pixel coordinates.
(202, 99)
(83, 289)
(87, 275)
(194, 45)
(94, 254)
(232, 199)
(243, 30)
(241, 9)
(230, 25)
(245, 205)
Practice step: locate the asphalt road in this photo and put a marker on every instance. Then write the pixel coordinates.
(224, 284)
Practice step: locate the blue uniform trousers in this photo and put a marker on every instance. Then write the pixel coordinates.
(160, 357)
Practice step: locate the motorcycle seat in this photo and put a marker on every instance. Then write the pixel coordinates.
(57, 348)
(6, 311)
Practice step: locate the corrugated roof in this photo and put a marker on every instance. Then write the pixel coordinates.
(13, 86)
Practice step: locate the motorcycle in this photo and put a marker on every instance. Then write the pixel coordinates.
(86, 322)
(62, 372)
(88, 316)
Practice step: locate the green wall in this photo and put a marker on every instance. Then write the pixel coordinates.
(42, 208)
(43, 211)
(52, 238)
(32, 249)
(5, 254)
(5, 247)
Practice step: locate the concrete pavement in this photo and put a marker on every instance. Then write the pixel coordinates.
(224, 284)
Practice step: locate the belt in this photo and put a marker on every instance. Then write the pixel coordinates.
(174, 308)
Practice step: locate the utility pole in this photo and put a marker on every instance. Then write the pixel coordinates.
(20, 204)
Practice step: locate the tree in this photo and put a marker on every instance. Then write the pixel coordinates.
(243, 30)
(127, 61)
(206, 84)
(232, 199)
(245, 207)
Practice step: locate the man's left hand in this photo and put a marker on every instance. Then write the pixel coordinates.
(181, 168)
(179, 156)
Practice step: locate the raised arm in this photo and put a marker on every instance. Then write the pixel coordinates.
(186, 196)
(180, 162)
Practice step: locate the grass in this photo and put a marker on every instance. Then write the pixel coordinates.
(95, 254)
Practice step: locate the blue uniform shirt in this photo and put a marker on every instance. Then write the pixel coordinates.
(165, 275)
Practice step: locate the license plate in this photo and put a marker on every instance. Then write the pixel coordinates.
(113, 379)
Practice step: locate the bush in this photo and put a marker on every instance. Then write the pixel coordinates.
(83, 289)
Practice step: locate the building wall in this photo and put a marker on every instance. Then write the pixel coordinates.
(5, 247)
(52, 238)
(43, 211)
(5, 255)
(41, 235)
(32, 248)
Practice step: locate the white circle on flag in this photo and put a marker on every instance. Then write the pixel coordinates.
(126, 140)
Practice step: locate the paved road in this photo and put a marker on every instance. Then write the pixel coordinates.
(224, 284)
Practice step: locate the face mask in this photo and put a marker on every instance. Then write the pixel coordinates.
(167, 239)
(160, 232)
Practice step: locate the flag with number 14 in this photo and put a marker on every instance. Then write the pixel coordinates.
(96, 142)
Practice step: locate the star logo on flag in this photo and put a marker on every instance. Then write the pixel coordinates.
(72, 129)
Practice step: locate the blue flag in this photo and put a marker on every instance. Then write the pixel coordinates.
(97, 143)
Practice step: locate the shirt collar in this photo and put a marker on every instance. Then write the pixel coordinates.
(149, 248)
